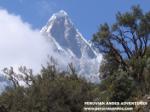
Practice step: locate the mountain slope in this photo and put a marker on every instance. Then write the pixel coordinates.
(65, 39)
(64, 32)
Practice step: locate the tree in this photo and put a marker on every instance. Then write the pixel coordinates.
(50, 91)
(24, 75)
(127, 39)
(125, 46)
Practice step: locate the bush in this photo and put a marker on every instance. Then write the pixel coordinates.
(50, 91)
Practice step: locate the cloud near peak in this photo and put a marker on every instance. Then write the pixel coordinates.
(20, 44)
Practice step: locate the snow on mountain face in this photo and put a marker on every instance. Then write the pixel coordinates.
(63, 31)
(65, 38)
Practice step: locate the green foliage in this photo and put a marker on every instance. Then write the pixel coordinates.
(117, 87)
(125, 46)
(121, 87)
(127, 38)
(50, 91)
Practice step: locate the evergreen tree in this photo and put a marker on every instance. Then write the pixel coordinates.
(125, 48)
(127, 39)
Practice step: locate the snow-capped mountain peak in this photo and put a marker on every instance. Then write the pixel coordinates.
(61, 32)
(61, 28)
(61, 17)
(61, 13)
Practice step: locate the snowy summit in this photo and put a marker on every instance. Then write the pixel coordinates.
(62, 34)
